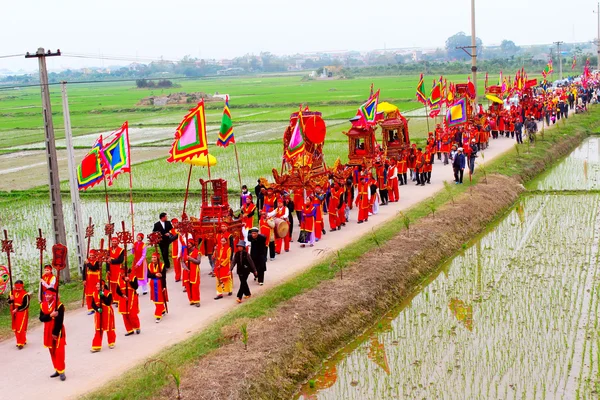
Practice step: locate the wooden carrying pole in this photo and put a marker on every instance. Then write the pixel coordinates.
(7, 247)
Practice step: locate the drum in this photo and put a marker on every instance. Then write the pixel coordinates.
(282, 227)
(271, 222)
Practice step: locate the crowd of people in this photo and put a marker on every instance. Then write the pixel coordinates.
(110, 286)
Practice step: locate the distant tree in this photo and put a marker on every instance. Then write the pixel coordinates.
(460, 40)
(509, 48)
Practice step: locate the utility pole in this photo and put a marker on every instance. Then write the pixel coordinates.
(560, 75)
(598, 37)
(75, 202)
(473, 49)
(58, 222)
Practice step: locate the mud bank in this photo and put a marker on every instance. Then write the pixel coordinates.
(287, 346)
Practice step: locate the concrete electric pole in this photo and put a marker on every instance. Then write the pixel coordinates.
(75, 202)
(473, 49)
(58, 222)
(598, 37)
(559, 54)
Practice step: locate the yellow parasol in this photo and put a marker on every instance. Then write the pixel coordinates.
(200, 161)
(494, 98)
(386, 107)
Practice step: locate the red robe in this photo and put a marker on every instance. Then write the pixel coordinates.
(21, 317)
(54, 326)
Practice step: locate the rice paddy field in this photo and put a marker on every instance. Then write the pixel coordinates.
(513, 316)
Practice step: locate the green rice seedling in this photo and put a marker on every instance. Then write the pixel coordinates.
(163, 367)
(244, 332)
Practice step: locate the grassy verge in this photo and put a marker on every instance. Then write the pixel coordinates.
(140, 383)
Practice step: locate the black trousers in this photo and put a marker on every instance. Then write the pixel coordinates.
(272, 249)
(166, 256)
(458, 175)
(418, 176)
(519, 135)
(403, 178)
(260, 274)
(244, 288)
(384, 195)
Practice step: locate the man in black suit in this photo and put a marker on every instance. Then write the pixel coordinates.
(164, 227)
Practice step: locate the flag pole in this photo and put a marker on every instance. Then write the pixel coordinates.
(187, 189)
(106, 197)
(427, 117)
(131, 202)
(237, 160)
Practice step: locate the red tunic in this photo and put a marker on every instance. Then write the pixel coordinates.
(115, 269)
(21, 318)
(104, 321)
(157, 294)
(308, 217)
(246, 210)
(138, 253)
(47, 309)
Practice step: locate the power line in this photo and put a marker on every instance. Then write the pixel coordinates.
(106, 81)
(12, 55)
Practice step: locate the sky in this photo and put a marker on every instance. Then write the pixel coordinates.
(151, 29)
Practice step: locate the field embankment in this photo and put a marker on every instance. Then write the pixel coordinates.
(286, 345)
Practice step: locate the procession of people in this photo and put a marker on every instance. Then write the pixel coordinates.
(113, 284)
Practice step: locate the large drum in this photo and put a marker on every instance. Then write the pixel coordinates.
(282, 227)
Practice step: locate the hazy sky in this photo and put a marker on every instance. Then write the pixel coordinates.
(224, 29)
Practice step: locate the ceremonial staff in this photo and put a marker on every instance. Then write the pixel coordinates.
(154, 239)
(184, 227)
(125, 237)
(89, 232)
(59, 262)
(40, 244)
(103, 256)
(109, 229)
(7, 247)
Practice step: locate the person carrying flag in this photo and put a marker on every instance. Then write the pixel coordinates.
(117, 257)
(140, 266)
(190, 262)
(91, 275)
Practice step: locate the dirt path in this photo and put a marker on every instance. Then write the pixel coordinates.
(28, 370)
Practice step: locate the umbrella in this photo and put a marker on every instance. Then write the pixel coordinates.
(200, 161)
(493, 98)
(386, 107)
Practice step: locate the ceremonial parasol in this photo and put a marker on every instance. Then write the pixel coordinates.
(386, 107)
(201, 161)
(314, 128)
(494, 98)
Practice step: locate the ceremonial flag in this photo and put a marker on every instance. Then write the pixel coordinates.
(226, 133)
(117, 154)
(457, 113)
(486, 80)
(296, 145)
(190, 136)
(369, 109)
(548, 70)
(436, 93)
(421, 97)
(574, 63)
(500, 79)
(91, 171)
(450, 94)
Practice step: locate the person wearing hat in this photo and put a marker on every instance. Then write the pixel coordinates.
(269, 201)
(117, 256)
(258, 253)
(334, 206)
(140, 265)
(223, 275)
(19, 300)
(362, 200)
(92, 269)
(158, 286)
(291, 208)
(473, 155)
(176, 249)
(248, 212)
(281, 212)
(129, 303)
(309, 214)
(243, 261)
(458, 165)
(52, 314)
(47, 281)
(191, 271)
(104, 319)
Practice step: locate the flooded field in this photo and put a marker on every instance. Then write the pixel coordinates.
(514, 315)
(579, 171)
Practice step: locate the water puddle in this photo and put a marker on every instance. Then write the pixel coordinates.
(512, 316)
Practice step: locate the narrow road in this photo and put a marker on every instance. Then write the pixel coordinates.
(27, 371)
